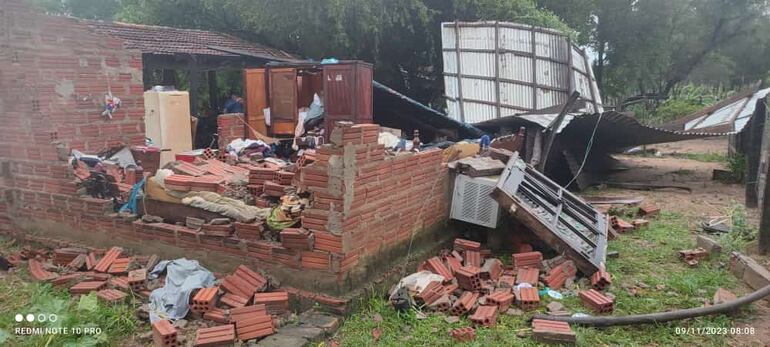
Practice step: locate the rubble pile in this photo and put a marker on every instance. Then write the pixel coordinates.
(243, 305)
(468, 281)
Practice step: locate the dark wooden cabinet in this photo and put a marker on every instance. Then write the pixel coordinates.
(345, 88)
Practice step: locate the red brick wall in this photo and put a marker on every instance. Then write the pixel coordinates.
(364, 202)
(230, 126)
(54, 72)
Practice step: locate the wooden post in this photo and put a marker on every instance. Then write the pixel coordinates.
(754, 154)
(764, 221)
(193, 79)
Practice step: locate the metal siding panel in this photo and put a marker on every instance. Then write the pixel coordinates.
(475, 112)
(477, 64)
(477, 38)
(447, 35)
(578, 61)
(515, 67)
(548, 98)
(450, 87)
(722, 115)
(515, 39)
(450, 62)
(453, 110)
(552, 74)
(552, 46)
(478, 89)
(516, 95)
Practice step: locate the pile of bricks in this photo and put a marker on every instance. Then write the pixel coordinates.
(483, 293)
(240, 303)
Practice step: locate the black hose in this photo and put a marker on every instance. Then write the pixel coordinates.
(660, 317)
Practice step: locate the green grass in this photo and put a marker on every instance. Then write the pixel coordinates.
(709, 157)
(648, 256)
(19, 295)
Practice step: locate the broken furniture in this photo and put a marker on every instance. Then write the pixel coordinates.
(563, 220)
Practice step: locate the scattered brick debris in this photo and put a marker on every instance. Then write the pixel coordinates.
(217, 315)
(222, 335)
(648, 209)
(640, 223)
(436, 266)
(464, 334)
(120, 266)
(37, 271)
(464, 303)
(106, 261)
(528, 275)
(502, 299)
(137, 280)
(693, 256)
(485, 316)
(254, 327)
(233, 300)
(620, 225)
(87, 287)
(528, 298)
(557, 276)
(472, 258)
(276, 302)
(462, 245)
(164, 334)
(528, 259)
(597, 301)
(244, 313)
(204, 300)
(601, 279)
(552, 331)
(111, 295)
(468, 278)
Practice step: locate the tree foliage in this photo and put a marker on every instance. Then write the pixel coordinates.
(640, 47)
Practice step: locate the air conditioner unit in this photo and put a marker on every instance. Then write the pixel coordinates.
(472, 203)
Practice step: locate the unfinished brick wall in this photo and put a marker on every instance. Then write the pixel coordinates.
(54, 72)
(364, 202)
(230, 126)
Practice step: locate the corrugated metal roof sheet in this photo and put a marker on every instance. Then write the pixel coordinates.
(497, 69)
(615, 131)
(167, 40)
(728, 116)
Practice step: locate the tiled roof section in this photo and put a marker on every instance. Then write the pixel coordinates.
(167, 40)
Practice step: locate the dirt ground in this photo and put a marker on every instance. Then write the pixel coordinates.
(708, 200)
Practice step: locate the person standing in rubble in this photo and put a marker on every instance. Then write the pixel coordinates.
(234, 103)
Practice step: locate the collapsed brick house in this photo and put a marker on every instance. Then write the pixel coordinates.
(54, 72)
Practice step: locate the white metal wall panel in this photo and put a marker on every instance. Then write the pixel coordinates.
(578, 61)
(548, 98)
(450, 62)
(450, 87)
(551, 46)
(476, 112)
(477, 64)
(453, 110)
(515, 39)
(447, 36)
(510, 67)
(477, 38)
(478, 89)
(517, 95)
(515, 67)
(552, 74)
